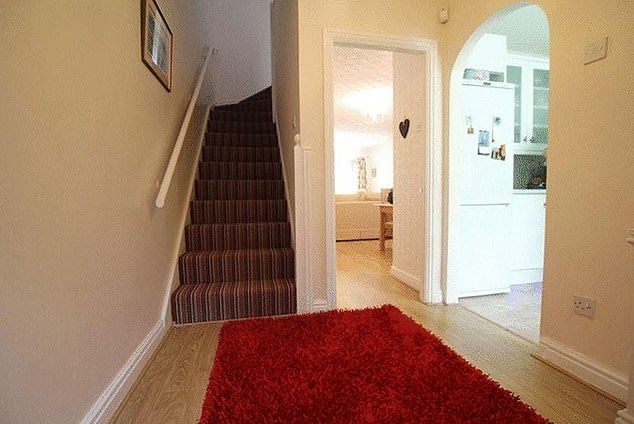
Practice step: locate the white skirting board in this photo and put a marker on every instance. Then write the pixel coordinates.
(625, 417)
(358, 234)
(320, 305)
(583, 368)
(104, 408)
(406, 278)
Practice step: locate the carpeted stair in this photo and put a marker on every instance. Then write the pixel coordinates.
(238, 261)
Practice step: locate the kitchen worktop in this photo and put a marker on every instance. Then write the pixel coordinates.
(530, 191)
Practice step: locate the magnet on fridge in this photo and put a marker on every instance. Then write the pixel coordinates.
(469, 124)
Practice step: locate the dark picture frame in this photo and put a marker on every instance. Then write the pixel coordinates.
(156, 42)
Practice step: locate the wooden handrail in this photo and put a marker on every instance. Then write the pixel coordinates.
(171, 166)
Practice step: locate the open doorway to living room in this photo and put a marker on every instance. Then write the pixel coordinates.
(363, 141)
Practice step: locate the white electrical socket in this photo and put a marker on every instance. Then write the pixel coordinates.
(583, 306)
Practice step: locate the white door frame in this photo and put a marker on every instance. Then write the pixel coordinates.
(430, 290)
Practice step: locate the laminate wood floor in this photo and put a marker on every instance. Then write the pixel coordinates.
(172, 387)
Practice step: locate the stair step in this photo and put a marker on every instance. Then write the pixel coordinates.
(241, 127)
(268, 235)
(236, 265)
(263, 105)
(240, 140)
(233, 300)
(240, 170)
(239, 262)
(238, 211)
(240, 154)
(239, 189)
(241, 115)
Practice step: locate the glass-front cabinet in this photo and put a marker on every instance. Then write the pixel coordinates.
(514, 76)
(540, 105)
(531, 77)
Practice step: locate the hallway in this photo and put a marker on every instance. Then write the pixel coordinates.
(173, 384)
(363, 280)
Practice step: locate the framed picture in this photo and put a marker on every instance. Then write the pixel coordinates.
(156, 42)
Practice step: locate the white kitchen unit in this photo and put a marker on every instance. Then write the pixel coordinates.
(485, 238)
(528, 212)
(486, 190)
(530, 75)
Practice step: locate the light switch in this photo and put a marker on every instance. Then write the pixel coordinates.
(596, 51)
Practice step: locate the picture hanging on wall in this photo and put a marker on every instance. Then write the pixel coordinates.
(156, 42)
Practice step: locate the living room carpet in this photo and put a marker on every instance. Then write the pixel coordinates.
(366, 366)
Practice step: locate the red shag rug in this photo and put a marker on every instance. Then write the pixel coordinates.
(368, 366)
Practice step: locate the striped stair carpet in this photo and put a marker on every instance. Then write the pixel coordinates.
(238, 261)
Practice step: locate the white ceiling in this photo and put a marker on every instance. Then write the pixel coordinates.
(526, 31)
(362, 83)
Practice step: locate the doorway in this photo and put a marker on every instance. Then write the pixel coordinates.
(499, 136)
(422, 220)
(363, 140)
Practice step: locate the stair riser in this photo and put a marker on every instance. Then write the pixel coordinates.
(258, 106)
(230, 212)
(241, 265)
(242, 236)
(239, 190)
(243, 171)
(239, 261)
(224, 301)
(241, 127)
(240, 154)
(241, 115)
(240, 140)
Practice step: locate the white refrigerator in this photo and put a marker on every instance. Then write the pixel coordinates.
(486, 188)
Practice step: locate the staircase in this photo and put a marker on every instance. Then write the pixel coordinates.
(238, 261)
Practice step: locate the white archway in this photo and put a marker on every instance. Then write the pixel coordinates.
(455, 127)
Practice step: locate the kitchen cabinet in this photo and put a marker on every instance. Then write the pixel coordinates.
(531, 78)
(528, 221)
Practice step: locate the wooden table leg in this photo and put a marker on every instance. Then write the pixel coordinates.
(381, 230)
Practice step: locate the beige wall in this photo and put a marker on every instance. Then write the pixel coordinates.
(241, 31)
(85, 257)
(284, 40)
(590, 171)
(411, 18)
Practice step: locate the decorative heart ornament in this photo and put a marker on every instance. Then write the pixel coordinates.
(403, 127)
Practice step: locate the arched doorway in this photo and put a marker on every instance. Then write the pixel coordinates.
(497, 176)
